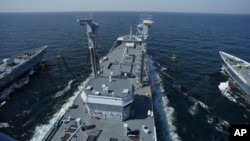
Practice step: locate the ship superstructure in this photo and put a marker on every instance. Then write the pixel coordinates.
(115, 104)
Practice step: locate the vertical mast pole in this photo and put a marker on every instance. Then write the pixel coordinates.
(91, 31)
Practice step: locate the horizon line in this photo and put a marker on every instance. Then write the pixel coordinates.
(108, 11)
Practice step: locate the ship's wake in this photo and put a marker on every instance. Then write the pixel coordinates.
(16, 85)
(224, 88)
(42, 130)
(62, 92)
(163, 111)
(193, 108)
(225, 91)
(201, 114)
(219, 124)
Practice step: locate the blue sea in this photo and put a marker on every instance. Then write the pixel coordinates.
(197, 110)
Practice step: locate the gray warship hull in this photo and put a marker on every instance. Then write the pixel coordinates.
(238, 70)
(19, 65)
(115, 102)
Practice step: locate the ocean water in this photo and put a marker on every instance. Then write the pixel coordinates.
(196, 111)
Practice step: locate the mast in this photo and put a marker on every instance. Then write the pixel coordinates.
(146, 22)
(143, 29)
(91, 31)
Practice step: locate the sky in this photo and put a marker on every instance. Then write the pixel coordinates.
(186, 6)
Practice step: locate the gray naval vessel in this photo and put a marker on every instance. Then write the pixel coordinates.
(15, 66)
(238, 70)
(115, 103)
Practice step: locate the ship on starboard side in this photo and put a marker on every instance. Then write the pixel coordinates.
(238, 71)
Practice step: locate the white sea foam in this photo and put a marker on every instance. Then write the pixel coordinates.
(193, 109)
(170, 119)
(42, 130)
(163, 69)
(4, 125)
(161, 88)
(203, 105)
(225, 123)
(62, 92)
(219, 128)
(19, 84)
(222, 126)
(167, 114)
(209, 119)
(2, 103)
(223, 86)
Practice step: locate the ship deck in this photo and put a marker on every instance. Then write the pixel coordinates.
(116, 86)
(17, 60)
(119, 59)
(241, 68)
(6, 69)
(106, 130)
(244, 71)
(238, 70)
(115, 104)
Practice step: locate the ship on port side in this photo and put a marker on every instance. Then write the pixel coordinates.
(11, 69)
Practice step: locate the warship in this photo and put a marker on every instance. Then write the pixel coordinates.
(14, 67)
(238, 71)
(115, 103)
